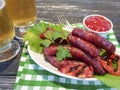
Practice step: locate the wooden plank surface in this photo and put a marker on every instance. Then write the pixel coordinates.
(75, 11)
(7, 82)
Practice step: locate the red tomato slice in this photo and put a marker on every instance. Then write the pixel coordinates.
(107, 65)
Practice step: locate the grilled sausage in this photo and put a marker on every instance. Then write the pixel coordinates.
(50, 51)
(78, 70)
(71, 67)
(54, 62)
(95, 39)
(84, 45)
(59, 64)
(78, 54)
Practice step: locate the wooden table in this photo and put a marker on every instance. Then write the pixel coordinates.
(75, 11)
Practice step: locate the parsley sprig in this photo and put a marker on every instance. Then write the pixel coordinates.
(62, 53)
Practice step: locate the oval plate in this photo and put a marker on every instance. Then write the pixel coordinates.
(40, 60)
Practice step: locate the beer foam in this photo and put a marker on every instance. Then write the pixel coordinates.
(2, 4)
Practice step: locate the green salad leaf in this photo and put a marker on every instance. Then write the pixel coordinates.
(33, 41)
(33, 35)
(110, 80)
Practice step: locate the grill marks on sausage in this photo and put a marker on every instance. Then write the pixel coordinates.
(95, 39)
(74, 70)
(79, 54)
(71, 67)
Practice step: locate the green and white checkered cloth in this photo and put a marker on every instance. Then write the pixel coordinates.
(30, 76)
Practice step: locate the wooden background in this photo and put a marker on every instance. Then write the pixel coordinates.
(75, 11)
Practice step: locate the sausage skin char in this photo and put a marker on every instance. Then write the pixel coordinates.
(71, 67)
(95, 39)
(83, 45)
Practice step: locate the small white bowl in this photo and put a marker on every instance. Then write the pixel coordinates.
(93, 19)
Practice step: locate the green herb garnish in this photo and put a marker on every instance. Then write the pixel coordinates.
(63, 53)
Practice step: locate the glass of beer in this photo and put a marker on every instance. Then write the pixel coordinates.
(23, 14)
(9, 48)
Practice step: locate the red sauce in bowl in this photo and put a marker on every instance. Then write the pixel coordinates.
(98, 23)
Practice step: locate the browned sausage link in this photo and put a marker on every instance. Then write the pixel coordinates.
(78, 54)
(84, 45)
(77, 70)
(95, 39)
(71, 67)
(59, 64)
(51, 50)
(52, 60)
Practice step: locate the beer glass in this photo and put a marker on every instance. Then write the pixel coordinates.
(22, 13)
(9, 48)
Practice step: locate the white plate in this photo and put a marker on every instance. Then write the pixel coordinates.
(40, 60)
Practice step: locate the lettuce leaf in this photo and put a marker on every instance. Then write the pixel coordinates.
(36, 43)
(110, 80)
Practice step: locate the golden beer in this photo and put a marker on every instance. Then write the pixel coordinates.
(21, 12)
(6, 27)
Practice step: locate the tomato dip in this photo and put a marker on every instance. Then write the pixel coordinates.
(98, 23)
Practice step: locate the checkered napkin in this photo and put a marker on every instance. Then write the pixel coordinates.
(31, 76)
